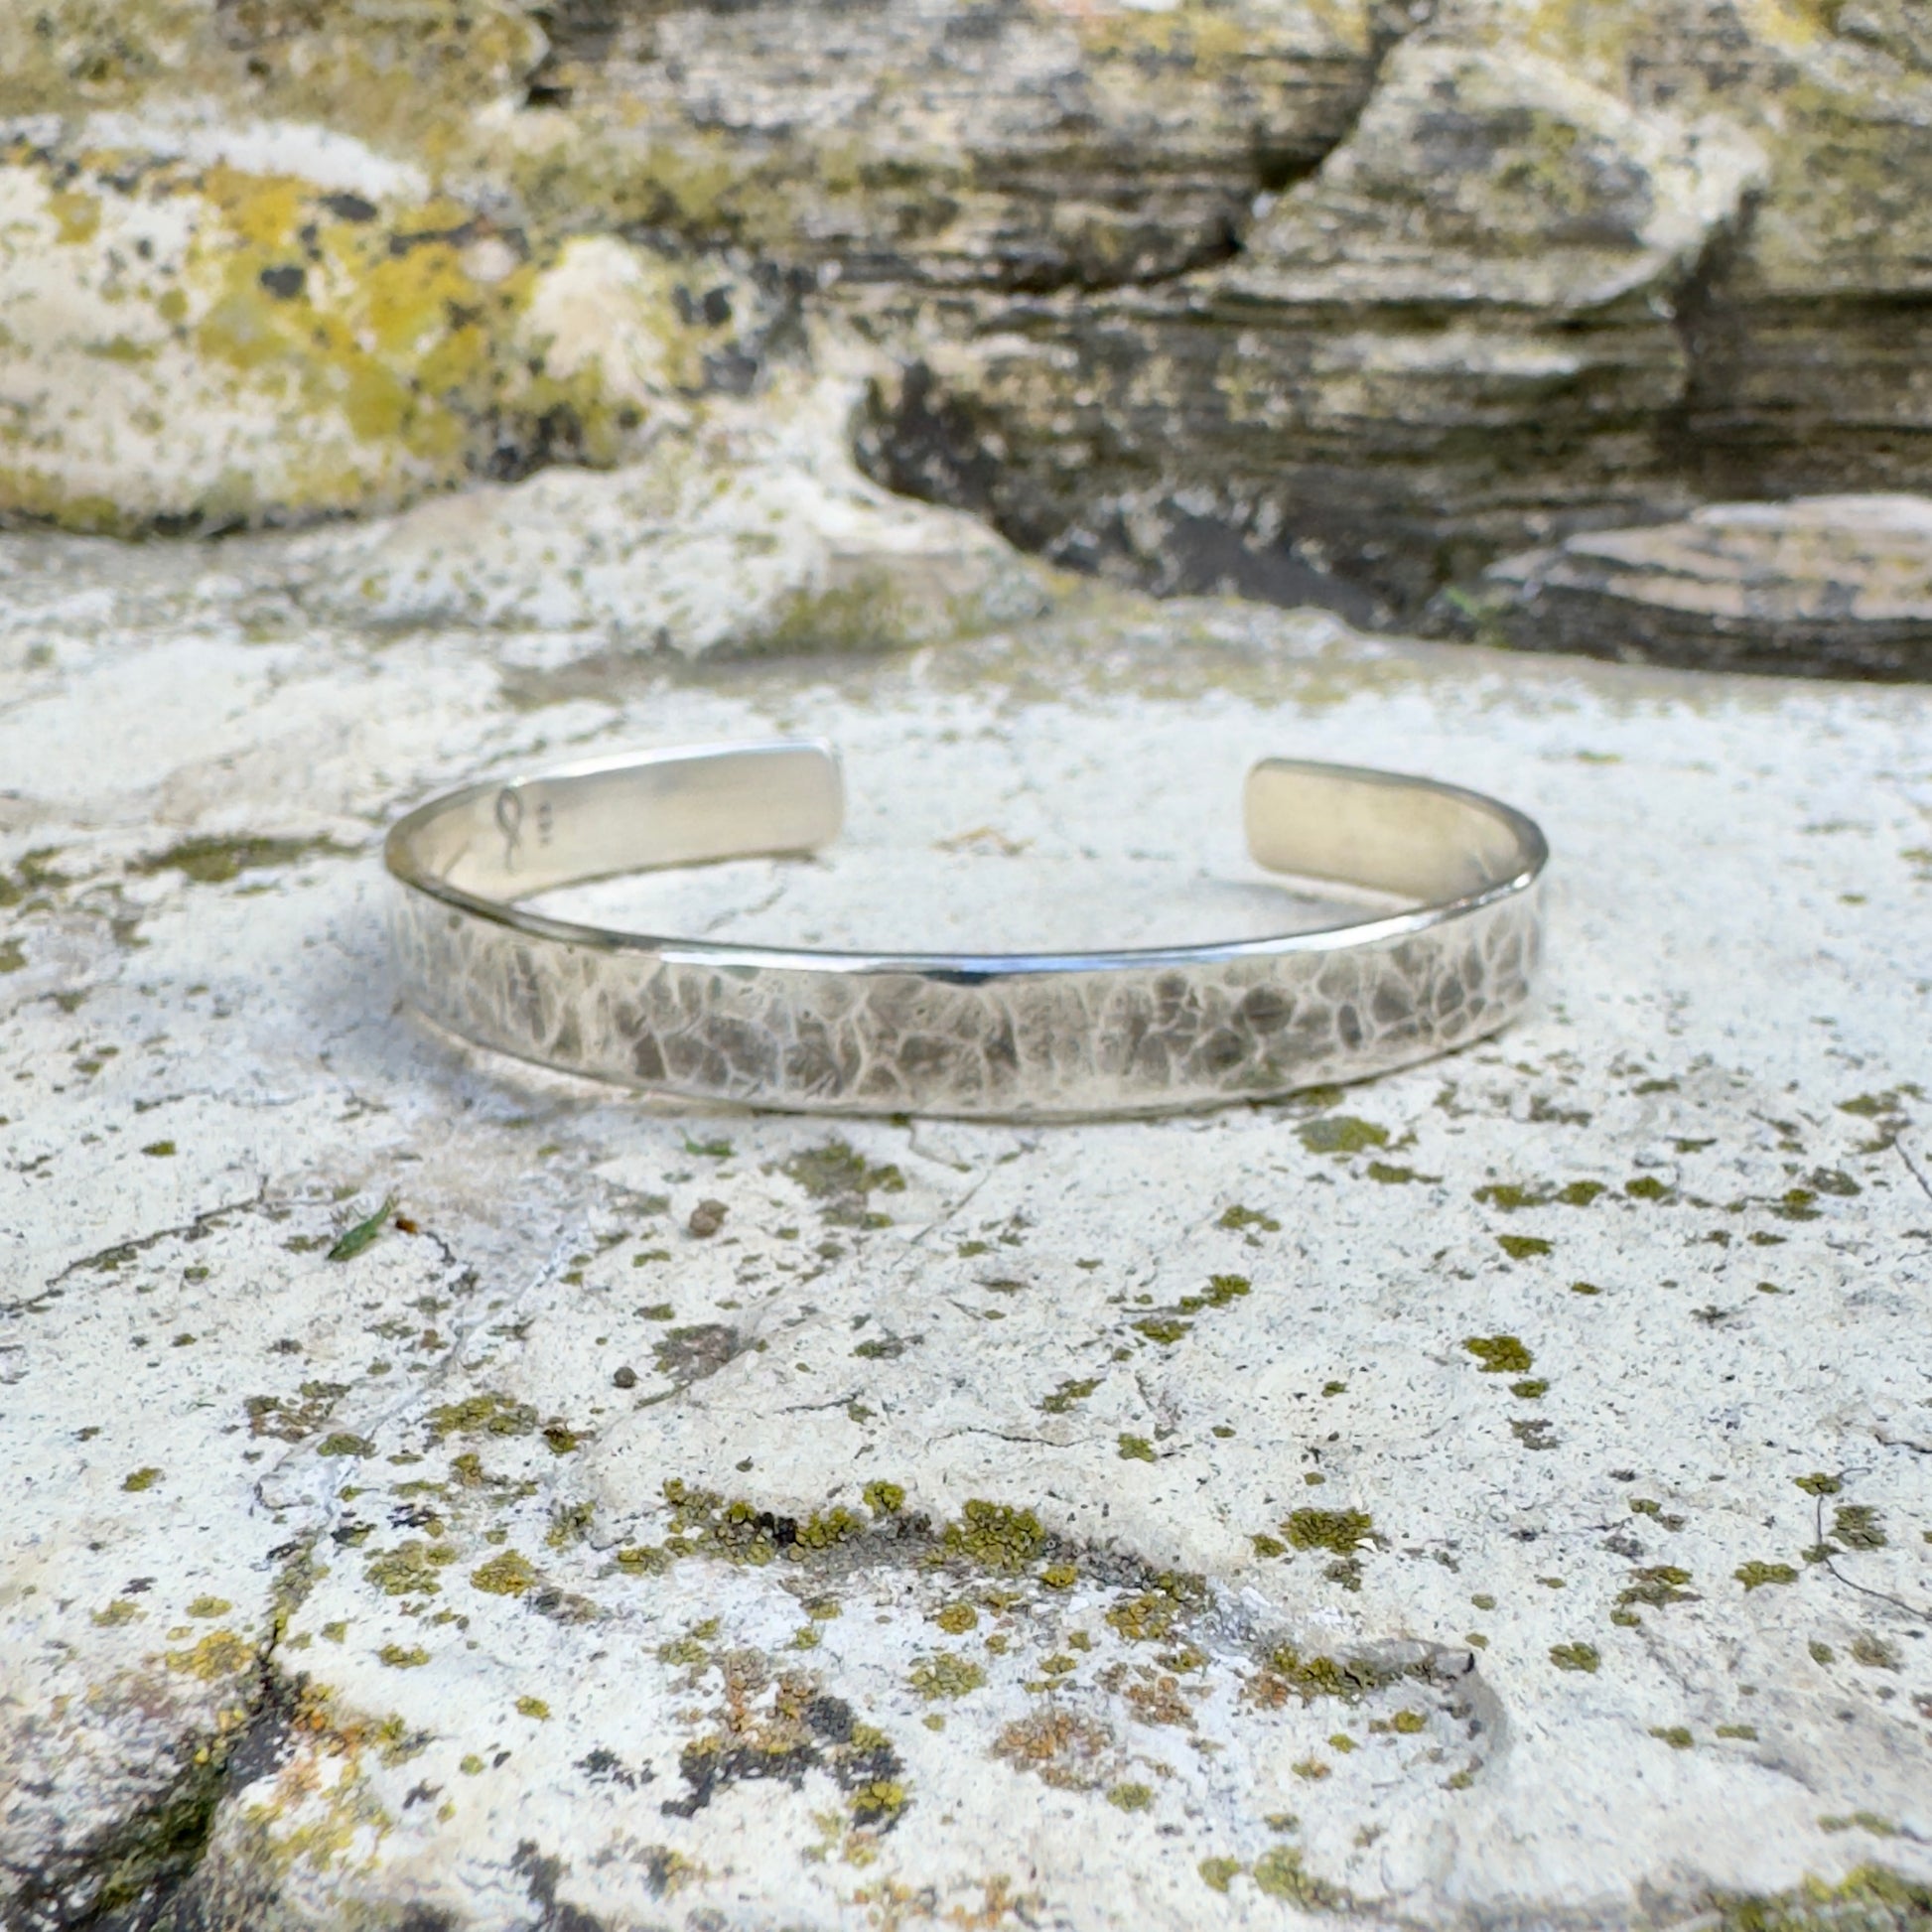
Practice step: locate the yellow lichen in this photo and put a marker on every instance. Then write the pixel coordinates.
(221, 1653)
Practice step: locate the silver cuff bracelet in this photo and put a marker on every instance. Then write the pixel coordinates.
(1029, 1036)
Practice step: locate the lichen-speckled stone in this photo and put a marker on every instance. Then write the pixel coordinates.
(446, 1495)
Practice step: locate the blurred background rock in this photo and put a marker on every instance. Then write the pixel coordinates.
(1321, 301)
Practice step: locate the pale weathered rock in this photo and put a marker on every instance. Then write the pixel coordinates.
(199, 347)
(752, 533)
(1494, 1493)
(1839, 581)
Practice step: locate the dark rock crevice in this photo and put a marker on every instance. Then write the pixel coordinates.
(1279, 167)
(139, 1874)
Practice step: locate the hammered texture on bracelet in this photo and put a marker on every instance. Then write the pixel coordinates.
(1029, 1036)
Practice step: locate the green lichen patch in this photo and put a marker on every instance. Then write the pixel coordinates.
(1509, 1198)
(1166, 1326)
(1754, 1575)
(1167, 1330)
(1135, 1448)
(1341, 1531)
(1874, 1653)
(218, 860)
(1575, 1657)
(507, 1574)
(1151, 1614)
(1500, 1354)
(1392, 1174)
(826, 1529)
(1288, 1672)
(1887, 1113)
(739, 1531)
(291, 1419)
(1656, 1585)
(1524, 1247)
(220, 1654)
(1279, 1873)
(403, 1656)
(946, 1674)
(1073, 1390)
(1239, 1220)
(488, 1414)
(409, 1569)
(1858, 1526)
(1340, 1134)
(1219, 1292)
(1651, 1507)
(34, 872)
(994, 1536)
(843, 1181)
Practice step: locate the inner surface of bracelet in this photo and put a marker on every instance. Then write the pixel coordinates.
(1411, 838)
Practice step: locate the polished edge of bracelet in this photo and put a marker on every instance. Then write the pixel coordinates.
(1532, 855)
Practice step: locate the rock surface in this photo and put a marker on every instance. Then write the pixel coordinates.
(1332, 300)
(1839, 580)
(449, 1497)
(752, 532)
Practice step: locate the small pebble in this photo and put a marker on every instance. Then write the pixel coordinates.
(626, 1377)
(707, 1218)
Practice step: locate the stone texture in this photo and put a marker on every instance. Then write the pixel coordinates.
(748, 531)
(1844, 581)
(449, 1497)
(194, 346)
(1334, 302)
(926, 142)
(1564, 270)
(1462, 327)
